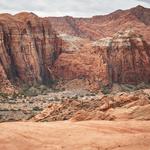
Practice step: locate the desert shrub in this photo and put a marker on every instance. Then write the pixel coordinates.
(82, 95)
(42, 88)
(36, 108)
(15, 95)
(127, 87)
(32, 91)
(31, 116)
(44, 121)
(130, 86)
(56, 98)
(75, 97)
(105, 90)
(4, 95)
(92, 94)
(142, 86)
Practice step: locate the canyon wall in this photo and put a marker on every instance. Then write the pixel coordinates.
(101, 50)
(106, 49)
(123, 58)
(28, 48)
(127, 56)
(102, 26)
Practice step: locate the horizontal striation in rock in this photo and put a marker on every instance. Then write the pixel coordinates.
(28, 48)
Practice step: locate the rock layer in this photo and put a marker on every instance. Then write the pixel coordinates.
(127, 56)
(28, 48)
(123, 58)
(98, 27)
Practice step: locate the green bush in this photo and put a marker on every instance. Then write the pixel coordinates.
(105, 90)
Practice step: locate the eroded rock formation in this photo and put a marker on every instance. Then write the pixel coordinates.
(28, 48)
(127, 56)
(105, 25)
(123, 58)
(121, 106)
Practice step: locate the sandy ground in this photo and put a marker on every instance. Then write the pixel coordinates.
(86, 135)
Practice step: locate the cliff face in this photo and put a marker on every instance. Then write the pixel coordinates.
(31, 52)
(127, 56)
(28, 48)
(78, 62)
(123, 58)
(103, 26)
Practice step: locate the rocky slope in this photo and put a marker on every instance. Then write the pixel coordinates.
(121, 106)
(28, 48)
(103, 26)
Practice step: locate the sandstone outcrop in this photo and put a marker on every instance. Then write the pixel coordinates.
(28, 48)
(127, 56)
(121, 106)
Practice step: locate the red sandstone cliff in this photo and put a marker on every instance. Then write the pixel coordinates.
(28, 48)
(98, 27)
(127, 56)
(123, 58)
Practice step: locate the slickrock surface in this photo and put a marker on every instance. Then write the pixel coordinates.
(89, 135)
(28, 48)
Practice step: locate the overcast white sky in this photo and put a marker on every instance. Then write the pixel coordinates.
(76, 8)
